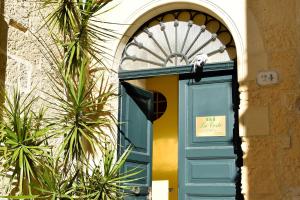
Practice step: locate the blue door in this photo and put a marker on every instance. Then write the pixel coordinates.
(207, 162)
(136, 130)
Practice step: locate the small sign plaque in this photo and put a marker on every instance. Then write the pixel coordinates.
(210, 126)
(265, 78)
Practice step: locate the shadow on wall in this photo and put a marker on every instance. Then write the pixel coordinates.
(3, 45)
(257, 173)
(268, 116)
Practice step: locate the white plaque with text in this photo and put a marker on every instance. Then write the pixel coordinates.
(210, 126)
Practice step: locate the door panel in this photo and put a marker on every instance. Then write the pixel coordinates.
(209, 198)
(207, 168)
(136, 130)
(210, 170)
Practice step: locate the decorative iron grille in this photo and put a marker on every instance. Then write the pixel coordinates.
(174, 38)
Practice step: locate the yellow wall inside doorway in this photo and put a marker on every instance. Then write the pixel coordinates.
(165, 134)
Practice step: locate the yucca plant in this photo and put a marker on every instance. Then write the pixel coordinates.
(82, 33)
(23, 136)
(82, 115)
(54, 185)
(106, 181)
(102, 181)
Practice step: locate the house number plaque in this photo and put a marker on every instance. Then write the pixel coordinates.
(210, 126)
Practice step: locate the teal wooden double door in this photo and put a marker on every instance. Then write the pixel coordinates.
(207, 168)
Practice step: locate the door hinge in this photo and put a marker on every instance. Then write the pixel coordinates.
(136, 190)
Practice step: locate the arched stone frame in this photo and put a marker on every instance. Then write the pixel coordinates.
(175, 38)
(156, 7)
(143, 14)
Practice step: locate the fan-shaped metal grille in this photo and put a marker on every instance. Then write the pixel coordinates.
(174, 39)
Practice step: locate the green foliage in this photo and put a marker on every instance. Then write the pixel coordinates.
(82, 36)
(106, 182)
(99, 182)
(80, 115)
(23, 147)
(55, 185)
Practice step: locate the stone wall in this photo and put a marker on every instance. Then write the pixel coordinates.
(21, 62)
(271, 119)
(26, 65)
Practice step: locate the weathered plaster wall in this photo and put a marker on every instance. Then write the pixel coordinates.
(165, 134)
(26, 66)
(267, 33)
(271, 118)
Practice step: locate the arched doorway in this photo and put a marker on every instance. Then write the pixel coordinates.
(205, 142)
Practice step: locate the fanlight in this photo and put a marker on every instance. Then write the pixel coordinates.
(175, 38)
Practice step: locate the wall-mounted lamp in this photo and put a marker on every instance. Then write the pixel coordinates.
(198, 63)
